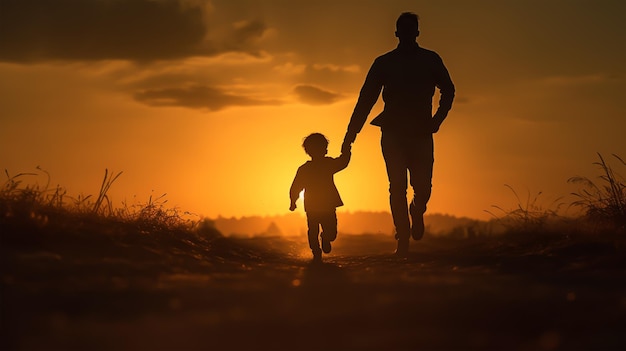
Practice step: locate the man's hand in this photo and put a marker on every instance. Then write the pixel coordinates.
(292, 206)
(346, 148)
(434, 126)
(437, 120)
(347, 141)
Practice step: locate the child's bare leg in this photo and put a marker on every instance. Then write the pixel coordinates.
(329, 230)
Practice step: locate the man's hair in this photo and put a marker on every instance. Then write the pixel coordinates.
(407, 22)
(314, 141)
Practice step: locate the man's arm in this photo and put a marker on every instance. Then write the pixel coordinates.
(367, 98)
(446, 88)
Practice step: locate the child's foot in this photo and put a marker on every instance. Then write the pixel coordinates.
(326, 247)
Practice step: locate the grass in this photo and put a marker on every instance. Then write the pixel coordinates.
(601, 201)
(530, 214)
(108, 180)
(34, 204)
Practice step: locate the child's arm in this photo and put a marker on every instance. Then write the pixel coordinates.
(294, 191)
(343, 160)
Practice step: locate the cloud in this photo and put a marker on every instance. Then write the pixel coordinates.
(315, 96)
(337, 68)
(245, 32)
(290, 68)
(136, 30)
(198, 97)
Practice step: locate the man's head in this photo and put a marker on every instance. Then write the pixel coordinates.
(316, 145)
(407, 27)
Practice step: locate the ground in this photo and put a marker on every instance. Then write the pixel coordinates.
(122, 289)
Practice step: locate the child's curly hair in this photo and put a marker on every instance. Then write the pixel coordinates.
(313, 142)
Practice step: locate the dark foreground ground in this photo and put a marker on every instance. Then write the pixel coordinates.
(118, 289)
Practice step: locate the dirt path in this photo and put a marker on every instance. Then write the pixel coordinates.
(449, 294)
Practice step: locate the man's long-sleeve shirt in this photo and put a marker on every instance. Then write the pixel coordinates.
(316, 178)
(407, 76)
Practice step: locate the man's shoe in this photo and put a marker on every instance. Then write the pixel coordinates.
(317, 257)
(403, 248)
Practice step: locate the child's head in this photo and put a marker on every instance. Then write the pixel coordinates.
(316, 145)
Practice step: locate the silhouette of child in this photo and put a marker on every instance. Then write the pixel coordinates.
(321, 197)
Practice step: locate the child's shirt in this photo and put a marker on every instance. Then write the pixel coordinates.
(316, 178)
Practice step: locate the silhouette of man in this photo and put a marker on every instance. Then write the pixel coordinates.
(407, 77)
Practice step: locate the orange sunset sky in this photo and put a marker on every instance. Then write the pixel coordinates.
(208, 101)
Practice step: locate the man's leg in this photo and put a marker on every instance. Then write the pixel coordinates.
(328, 222)
(396, 163)
(421, 172)
(313, 233)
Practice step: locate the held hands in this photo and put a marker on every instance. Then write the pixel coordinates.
(292, 206)
(347, 142)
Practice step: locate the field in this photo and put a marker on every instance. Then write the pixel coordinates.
(78, 274)
(92, 284)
